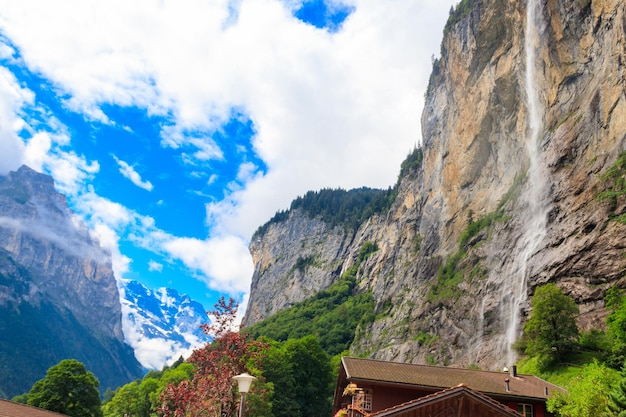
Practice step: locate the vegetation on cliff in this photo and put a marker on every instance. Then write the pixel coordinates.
(337, 207)
(349, 209)
(587, 364)
(615, 187)
(457, 13)
(456, 269)
(331, 315)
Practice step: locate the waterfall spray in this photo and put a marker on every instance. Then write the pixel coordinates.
(536, 208)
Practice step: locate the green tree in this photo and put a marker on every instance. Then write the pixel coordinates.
(68, 388)
(313, 376)
(551, 330)
(126, 401)
(587, 394)
(278, 371)
(133, 400)
(616, 326)
(141, 398)
(617, 398)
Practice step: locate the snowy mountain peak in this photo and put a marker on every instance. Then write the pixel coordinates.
(162, 324)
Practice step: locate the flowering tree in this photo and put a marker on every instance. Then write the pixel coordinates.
(211, 392)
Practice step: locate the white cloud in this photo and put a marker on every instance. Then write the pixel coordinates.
(224, 261)
(129, 172)
(357, 93)
(100, 210)
(330, 110)
(109, 240)
(154, 266)
(71, 172)
(12, 98)
(66, 235)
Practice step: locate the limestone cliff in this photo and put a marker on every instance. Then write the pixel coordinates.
(58, 295)
(524, 116)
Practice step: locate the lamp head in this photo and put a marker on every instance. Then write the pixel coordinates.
(244, 380)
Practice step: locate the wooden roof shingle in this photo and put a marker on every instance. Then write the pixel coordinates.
(13, 409)
(439, 377)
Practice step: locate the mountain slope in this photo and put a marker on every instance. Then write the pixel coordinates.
(58, 295)
(525, 116)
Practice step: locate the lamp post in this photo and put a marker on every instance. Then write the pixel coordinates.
(244, 380)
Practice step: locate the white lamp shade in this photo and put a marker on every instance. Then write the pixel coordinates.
(244, 380)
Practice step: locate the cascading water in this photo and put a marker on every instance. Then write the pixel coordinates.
(535, 202)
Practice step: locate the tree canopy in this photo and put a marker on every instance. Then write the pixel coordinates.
(300, 371)
(587, 395)
(68, 388)
(211, 391)
(551, 330)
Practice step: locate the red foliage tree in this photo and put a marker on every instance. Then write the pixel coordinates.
(212, 392)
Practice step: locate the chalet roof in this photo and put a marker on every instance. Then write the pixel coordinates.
(425, 404)
(13, 409)
(438, 377)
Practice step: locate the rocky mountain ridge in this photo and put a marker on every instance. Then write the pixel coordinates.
(524, 121)
(59, 297)
(58, 294)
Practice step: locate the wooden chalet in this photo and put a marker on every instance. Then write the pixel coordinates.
(13, 409)
(370, 387)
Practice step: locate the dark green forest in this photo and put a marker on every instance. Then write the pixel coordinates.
(348, 209)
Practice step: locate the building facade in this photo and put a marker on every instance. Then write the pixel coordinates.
(371, 386)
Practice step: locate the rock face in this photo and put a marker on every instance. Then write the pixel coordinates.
(525, 115)
(278, 282)
(58, 295)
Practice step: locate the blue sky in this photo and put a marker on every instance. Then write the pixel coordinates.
(176, 128)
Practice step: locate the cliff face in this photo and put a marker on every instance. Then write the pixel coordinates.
(525, 114)
(58, 294)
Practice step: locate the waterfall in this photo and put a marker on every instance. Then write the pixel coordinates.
(535, 193)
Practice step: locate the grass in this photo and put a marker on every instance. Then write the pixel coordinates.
(561, 374)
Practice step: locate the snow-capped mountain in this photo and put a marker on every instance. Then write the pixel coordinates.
(162, 324)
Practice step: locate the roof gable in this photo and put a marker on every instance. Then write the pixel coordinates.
(461, 400)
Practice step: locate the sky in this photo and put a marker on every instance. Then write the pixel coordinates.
(177, 127)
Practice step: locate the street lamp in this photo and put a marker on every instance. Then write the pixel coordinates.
(244, 380)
